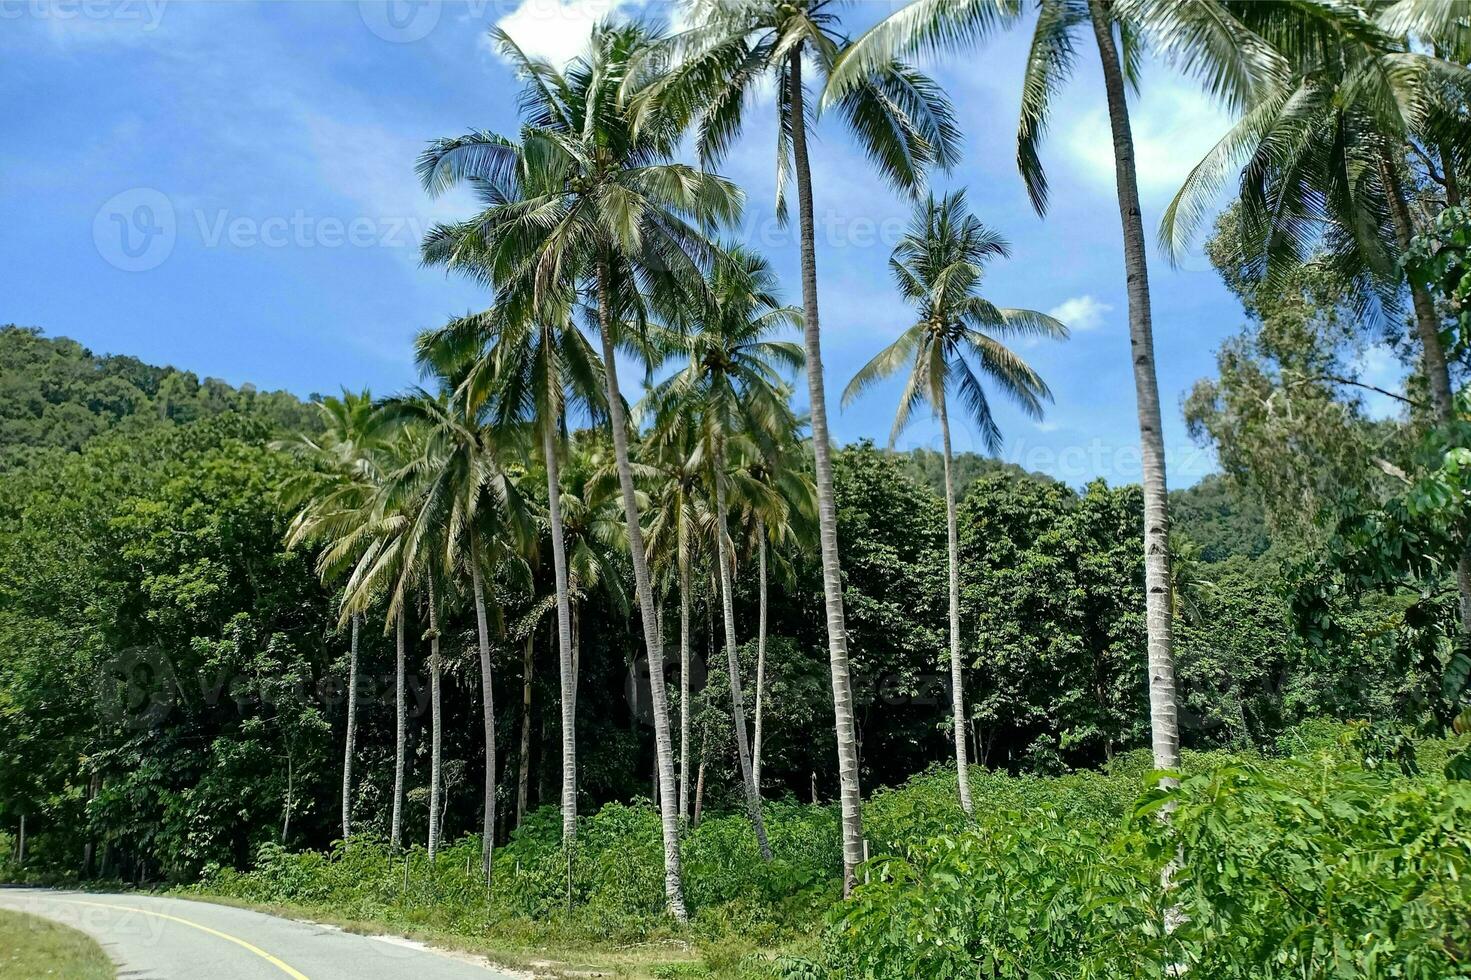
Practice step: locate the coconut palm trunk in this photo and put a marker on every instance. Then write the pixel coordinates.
(1432, 353)
(400, 717)
(760, 649)
(732, 658)
(663, 748)
(564, 637)
(523, 778)
(350, 749)
(827, 517)
(436, 741)
(487, 714)
(684, 668)
(1162, 701)
(957, 675)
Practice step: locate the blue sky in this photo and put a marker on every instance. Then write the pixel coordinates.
(229, 188)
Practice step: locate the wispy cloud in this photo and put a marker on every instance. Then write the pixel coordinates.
(1081, 312)
(1174, 124)
(555, 30)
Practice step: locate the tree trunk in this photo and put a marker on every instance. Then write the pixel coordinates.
(684, 667)
(957, 675)
(564, 635)
(290, 799)
(827, 515)
(1432, 353)
(760, 649)
(487, 713)
(1162, 701)
(395, 834)
(20, 842)
(352, 728)
(732, 658)
(523, 778)
(436, 728)
(663, 749)
(700, 779)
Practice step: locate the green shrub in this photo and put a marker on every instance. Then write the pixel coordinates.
(1300, 868)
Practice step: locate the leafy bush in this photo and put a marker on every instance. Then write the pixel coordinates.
(1299, 868)
(1303, 867)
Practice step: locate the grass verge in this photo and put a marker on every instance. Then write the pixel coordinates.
(32, 948)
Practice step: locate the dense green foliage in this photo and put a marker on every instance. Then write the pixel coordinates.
(1307, 867)
(56, 393)
(1309, 864)
(192, 586)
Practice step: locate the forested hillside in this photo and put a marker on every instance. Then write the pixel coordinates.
(56, 393)
(529, 657)
(159, 630)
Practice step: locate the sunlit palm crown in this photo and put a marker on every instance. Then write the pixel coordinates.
(939, 266)
(1199, 36)
(900, 117)
(585, 184)
(1311, 147)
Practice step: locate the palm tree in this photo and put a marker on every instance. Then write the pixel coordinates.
(331, 505)
(733, 387)
(1202, 37)
(679, 520)
(1321, 157)
(529, 370)
(779, 510)
(589, 197)
(904, 124)
(938, 266)
(476, 513)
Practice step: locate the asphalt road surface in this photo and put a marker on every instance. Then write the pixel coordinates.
(155, 938)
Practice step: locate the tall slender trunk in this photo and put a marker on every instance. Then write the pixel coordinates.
(436, 741)
(20, 842)
(683, 558)
(760, 649)
(827, 514)
(400, 734)
(1432, 353)
(487, 714)
(957, 675)
(350, 748)
(733, 661)
(663, 748)
(564, 634)
(290, 797)
(700, 779)
(523, 778)
(1162, 701)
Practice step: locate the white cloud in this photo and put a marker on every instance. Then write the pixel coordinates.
(1174, 125)
(556, 30)
(1080, 312)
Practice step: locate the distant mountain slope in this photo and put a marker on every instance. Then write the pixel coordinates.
(1223, 521)
(55, 393)
(927, 468)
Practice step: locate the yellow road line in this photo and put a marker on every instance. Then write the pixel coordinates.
(274, 961)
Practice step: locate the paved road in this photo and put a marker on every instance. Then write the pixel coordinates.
(155, 938)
